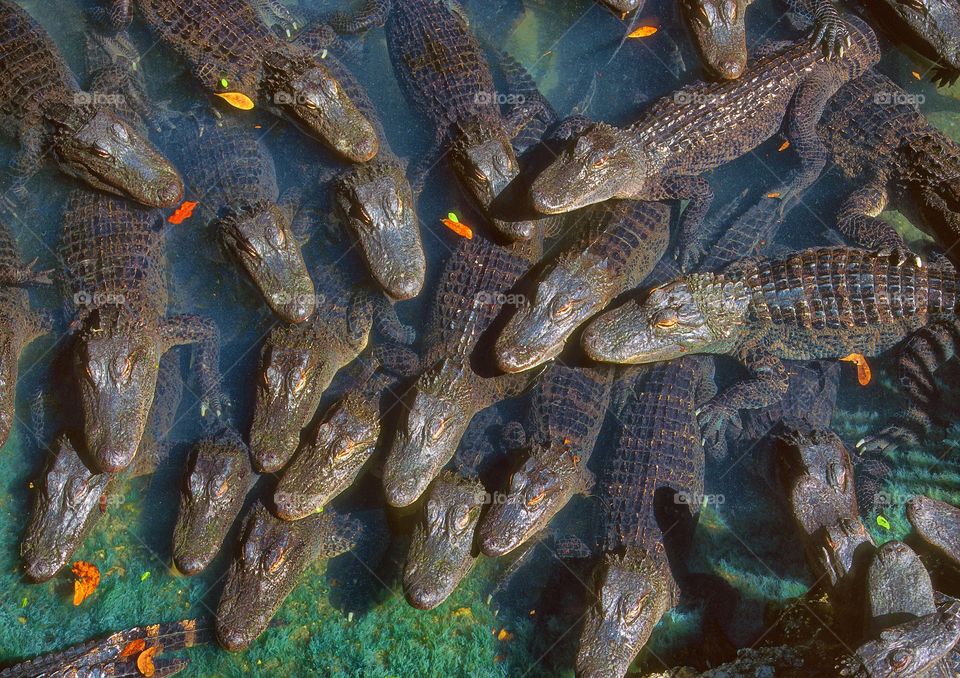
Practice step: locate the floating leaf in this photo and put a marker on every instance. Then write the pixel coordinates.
(883, 522)
(784, 146)
(86, 582)
(134, 647)
(457, 227)
(773, 195)
(642, 32)
(915, 74)
(236, 99)
(504, 635)
(224, 83)
(23, 603)
(864, 375)
(145, 576)
(182, 213)
(145, 662)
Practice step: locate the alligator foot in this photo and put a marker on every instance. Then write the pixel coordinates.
(944, 76)
(833, 37)
(887, 440)
(714, 420)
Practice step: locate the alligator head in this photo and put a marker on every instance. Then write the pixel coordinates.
(720, 35)
(116, 368)
(67, 507)
(327, 464)
(377, 204)
(307, 93)
(699, 313)
(910, 648)
(217, 480)
(537, 493)
(260, 238)
(273, 555)
(938, 523)
(822, 455)
(108, 153)
(566, 297)
(441, 550)
(295, 371)
(632, 593)
(602, 163)
(898, 587)
(443, 404)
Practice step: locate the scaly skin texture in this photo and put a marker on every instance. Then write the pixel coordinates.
(225, 41)
(67, 507)
(51, 116)
(114, 259)
(877, 134)
(232, 175)
(334, 453)
(703, 126)
(622, 242)
(217, 479)
(720, 34)
(102, 657)
(443, 72)
(20, 326)
(569, 406)
(271, 556)
(651, 486)
(932, 27)
(816, 304)
(938, 523)
(449, 392)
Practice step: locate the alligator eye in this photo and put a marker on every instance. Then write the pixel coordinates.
(279, 237)
(345, 451)
(312, 105)
(89, 372)
(222, 488)
(899, 659)
(438, 427)
(600, 162)
(76, 489)
(246, 247)
(121, 132)
(126, 369)
(561, 307)
(631, 612)
(536, 499)
(358, 211)
(666, 319)
(479, 175)
(101, 151)
(278, 559)
(330, 86)
(731, 8)
(461, 520)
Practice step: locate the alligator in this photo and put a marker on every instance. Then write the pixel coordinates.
(650, 489)
(299, 362)
(271, 555)
(331, 457)
(217, 479)
(876, 133)
(931, 27)
(818, 303)
(234, 55)
(623, 7)
(111, 656)
(52, 117)
(703, 126)
(449, 391)
(569, 407)
(69, 503)
(938, 524)
(233, 173)
(443, 544)
(622, 241)
(21, 326)
(443, 72)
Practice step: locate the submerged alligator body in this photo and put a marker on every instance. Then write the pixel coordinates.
(931, 27)
(622, 242)
(650, 491)
(938, 523)
(876, 133)
(43, 105)
(567, 411)
(449, 392)
(233, 54)
(816, 304)
(702, 126)
(444, 73)
(233, 173)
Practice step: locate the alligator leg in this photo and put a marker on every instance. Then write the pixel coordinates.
(806, 109)
(117, 15)
(28, 159)
(768, 384)
(907, 430)
(191, 329)
(387, 322)
(23, 275)
(689, 239)
(922, 355)
(830, 31)
(858, 219)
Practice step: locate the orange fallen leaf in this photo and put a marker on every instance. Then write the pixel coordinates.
(236, 99)
(145, 662)
(915, 74)
(642, 32)
(134, 647)
(504, 635)
(457, 226)
(784, 146)
(86, 582)
(566, 441)
(182, 213)
(773, 195)
(864, 375)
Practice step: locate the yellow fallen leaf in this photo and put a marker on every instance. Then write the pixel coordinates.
(504, 635)
(463, 612)
(915, 74)
(784, 146)
(773, 195)
(864, 374)
(145, 662)
(236, 99)
(642, 32)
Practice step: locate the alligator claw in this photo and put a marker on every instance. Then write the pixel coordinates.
(714, 419)
(834, 38)
(887, 440)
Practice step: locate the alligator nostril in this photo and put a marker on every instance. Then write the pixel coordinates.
(170, 192)
(730, 69)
